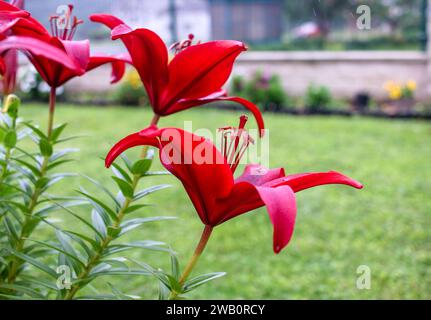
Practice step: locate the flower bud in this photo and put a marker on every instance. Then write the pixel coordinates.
(11, 106)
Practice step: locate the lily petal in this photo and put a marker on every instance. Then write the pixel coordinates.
(148, 52)
(108, 20)
(194, 160)
(39, 48)
(299, 182)
(200, 70)
(147, 136)
(20, 20)
(118, 64)
(258, 175)
(281, 205)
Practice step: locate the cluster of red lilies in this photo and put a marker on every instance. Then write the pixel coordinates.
(193, 77)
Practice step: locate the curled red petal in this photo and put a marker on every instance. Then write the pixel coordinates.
(299, 182)
(118, 64)
(281, 205)
(147, 136)
(108, 20)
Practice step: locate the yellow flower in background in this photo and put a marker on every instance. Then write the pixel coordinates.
(133, 79)
(395, 92)
(411, 85)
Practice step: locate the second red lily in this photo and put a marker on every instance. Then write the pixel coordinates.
(209, 181)
(193, 77)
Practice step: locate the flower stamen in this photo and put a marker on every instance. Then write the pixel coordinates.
(183, 44)
(62, 26)
(235, 142)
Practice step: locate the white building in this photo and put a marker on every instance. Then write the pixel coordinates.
(193, 16)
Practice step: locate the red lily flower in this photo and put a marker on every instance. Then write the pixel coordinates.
(34, 47)
(211, 186)
(10, 57)
(193, 77)
(52, 72)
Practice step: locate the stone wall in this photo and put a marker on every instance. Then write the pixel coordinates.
(345, 73)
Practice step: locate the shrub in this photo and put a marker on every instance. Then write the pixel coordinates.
(317, 98)
(263, 90)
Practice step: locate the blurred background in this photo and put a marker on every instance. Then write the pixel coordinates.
(362, 69)
(309, 56)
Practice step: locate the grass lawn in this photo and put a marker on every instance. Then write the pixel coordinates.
(386, 226)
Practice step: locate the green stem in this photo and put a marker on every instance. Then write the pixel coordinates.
(52, 101)
(19, 246)
(7, 155)
(94, 261)
(206, 233)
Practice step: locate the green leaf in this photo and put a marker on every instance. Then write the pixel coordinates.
(56, 132)
(98, 223)
(175, 266)
(23, 289)
(126, 161)
(28, 165)
(79, 238)
(131, 224)
(10, 228)
(80, 219)
(119, 295)
(65, 243)
(125, 187)
(120, 272)
(61, 250)
(164, 291)
(104, 189)
(114, 231)
(120, 172)
(35, 263)
(45, 147)
(42, 183)
(98, 203)
(150, 190)
(10, 139)
(202, 279)
(135, 207)
(58, 163)
(37, 131)
(40, 282)
(141, 166)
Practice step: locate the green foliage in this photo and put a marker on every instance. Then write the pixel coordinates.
(263, 90)
(26, 207)
(317, 98)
